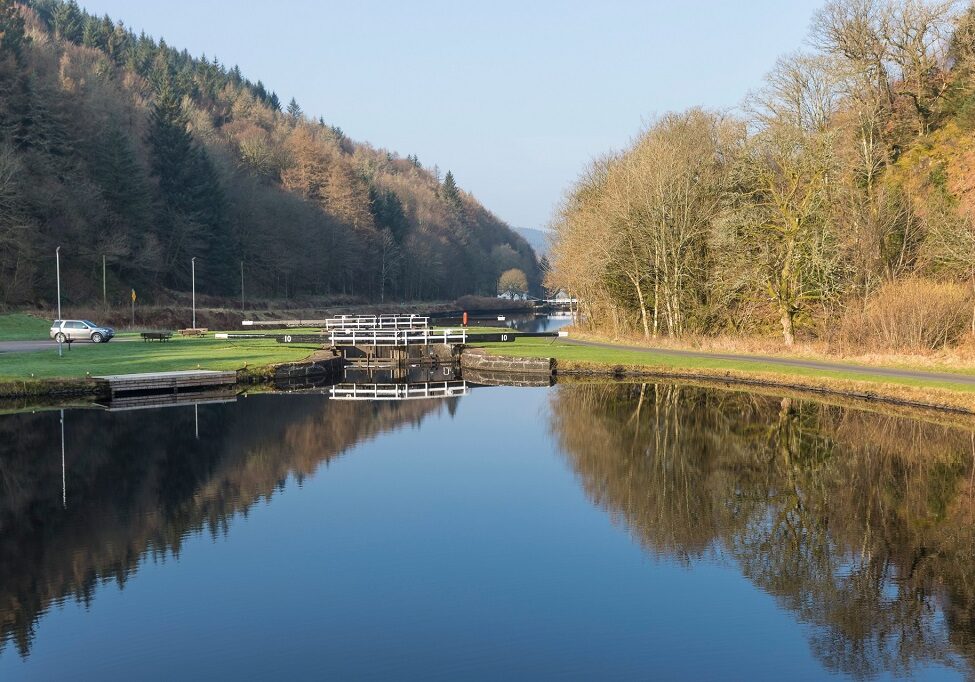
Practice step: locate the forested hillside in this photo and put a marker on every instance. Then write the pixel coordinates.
(837, 205)
(120, 146)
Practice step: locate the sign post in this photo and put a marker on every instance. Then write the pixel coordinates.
(133, 307)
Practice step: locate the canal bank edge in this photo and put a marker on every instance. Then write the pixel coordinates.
(94, 389)
(509, 369)
(930, 398)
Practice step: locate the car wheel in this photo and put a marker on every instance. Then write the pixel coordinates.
(59, 337)
(96, 338)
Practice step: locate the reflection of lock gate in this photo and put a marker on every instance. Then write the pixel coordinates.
(420, 391)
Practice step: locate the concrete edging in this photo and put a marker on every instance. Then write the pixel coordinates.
(479, 360)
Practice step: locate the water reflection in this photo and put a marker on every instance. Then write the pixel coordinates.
(860, 524)
(538, 323)
(140, 482)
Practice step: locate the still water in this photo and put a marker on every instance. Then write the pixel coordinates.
(616, 531)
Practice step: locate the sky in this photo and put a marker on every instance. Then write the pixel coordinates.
(514, 97)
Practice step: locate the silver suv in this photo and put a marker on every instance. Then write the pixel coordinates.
(77, 330)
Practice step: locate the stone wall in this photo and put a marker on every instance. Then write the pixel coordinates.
(496, 378)
(481, 361)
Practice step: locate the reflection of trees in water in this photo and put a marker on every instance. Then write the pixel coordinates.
(139, 482)
(860, 523)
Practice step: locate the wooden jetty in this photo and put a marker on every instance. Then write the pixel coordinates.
(173, 382)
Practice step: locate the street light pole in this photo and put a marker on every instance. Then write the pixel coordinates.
(193, 266)
(57, 257)
(104, 286)
(241, 287)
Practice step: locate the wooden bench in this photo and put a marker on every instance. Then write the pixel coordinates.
(156, 336)
(199, 331)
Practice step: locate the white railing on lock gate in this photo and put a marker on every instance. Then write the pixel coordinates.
(378, 322)
(396, 337)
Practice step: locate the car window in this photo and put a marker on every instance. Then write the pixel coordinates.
(90, 323)
(74, 325)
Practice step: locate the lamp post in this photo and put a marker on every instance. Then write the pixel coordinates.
(193, 266)
(57, 258)
(242, 288)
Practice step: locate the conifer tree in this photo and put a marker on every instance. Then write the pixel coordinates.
(122, 180)
(294, 110)
(448, 189)
(12, 36)
(91, 35)
(67, 21)
(194, 221)
(117, 40)
(387, 212)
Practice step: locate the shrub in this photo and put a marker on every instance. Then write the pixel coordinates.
(910, 314)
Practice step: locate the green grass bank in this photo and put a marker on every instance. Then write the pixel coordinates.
(43, 372)
(862, 382)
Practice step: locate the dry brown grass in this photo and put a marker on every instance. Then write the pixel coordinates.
(911, 314)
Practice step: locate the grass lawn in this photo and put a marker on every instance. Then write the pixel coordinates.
(135, 356)
(567, 354)
(23, 327)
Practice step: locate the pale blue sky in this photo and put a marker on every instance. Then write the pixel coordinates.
(513, 97)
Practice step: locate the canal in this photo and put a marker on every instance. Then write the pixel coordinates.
(580, 531)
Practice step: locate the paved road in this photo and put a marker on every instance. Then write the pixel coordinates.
(24, 346)
(793, 362)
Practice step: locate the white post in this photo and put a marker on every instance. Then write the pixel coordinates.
(64, 478)
(57, 257)
(193, 266)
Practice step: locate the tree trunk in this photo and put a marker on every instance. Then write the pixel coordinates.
(635, 279)
(656, 291)
(643, 310)
(788, 325)
(973, 307)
